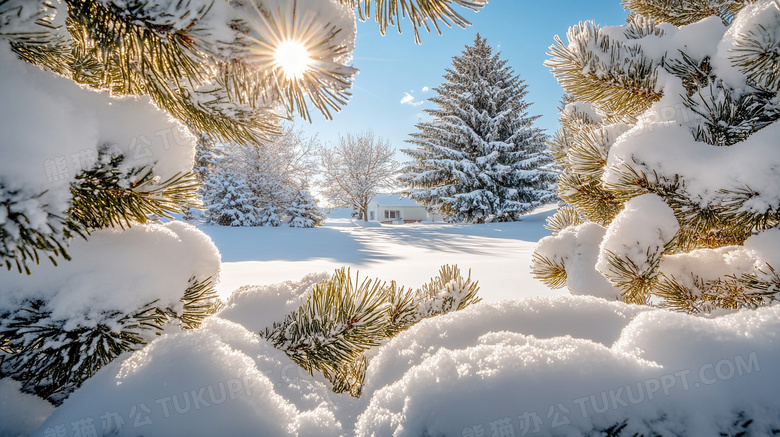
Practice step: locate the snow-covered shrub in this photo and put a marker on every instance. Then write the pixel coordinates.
(261, 184)
(341, 319)
(229, 201)
(669, 146)
(480, 159)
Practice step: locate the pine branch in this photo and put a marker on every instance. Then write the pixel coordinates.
(748, 291)
(551, 273)
(757, 55)
(590, 198)
(636, 280)
(105, 196)
(565, 217)
(729, 119)
(23, 242)
(701, 226)
(421, 13)
(340, 320)
(51, 358)
(588, 152)
(694, 74)
(683, 12)
(199, 302)
(736, 209)
(612, 75)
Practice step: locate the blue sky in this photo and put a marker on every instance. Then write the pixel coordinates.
(393, 66)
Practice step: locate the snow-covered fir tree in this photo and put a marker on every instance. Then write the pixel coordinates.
(230, 201)
(480, 159)
(670, 156)
(206, 160)
(302, 212)
(269, 175)
(83, 175)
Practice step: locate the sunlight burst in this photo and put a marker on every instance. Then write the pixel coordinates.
(293, 57)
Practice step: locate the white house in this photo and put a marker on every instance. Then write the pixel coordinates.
(388, 208)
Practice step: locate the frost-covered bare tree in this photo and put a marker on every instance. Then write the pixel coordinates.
(356, 169)
(288, 157)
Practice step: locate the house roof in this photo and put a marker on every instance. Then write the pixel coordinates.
(394, 200)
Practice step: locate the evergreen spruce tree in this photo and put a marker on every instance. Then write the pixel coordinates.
(480, 159)
(669, 153)
(303, 211)
(230, 201)
(267, 176)
(206, 160)
(84, 175)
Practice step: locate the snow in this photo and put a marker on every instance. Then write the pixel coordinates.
(576, 248)
(646, 223)
(115, 270)
(572, 365)
(752, 257)
(759, 18)
(20, 413)
(507, 374)
(498, 254)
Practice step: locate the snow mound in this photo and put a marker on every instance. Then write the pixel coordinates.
(577, 248)
(200, 382)
(20, 413)
(668, 373)
(568, 365)
(258, 307)
(114, 271)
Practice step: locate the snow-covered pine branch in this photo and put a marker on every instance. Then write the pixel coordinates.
(669, 152)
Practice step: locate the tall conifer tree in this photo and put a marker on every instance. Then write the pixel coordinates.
(480, 159)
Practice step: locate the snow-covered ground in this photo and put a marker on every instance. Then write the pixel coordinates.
(546, 365)
(499, 254)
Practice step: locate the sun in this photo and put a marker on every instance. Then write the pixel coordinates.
(293, 57)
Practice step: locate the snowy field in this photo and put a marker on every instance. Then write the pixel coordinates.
(499, 254)
(550, 365)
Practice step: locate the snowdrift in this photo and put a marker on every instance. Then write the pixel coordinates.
(571, 365)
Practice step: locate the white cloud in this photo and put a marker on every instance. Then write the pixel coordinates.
(425, 89)
(408, 99)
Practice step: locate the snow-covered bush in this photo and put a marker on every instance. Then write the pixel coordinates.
(229, 201)
(303, 211)
(341, 319)
(669, 147)
(480, 159)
